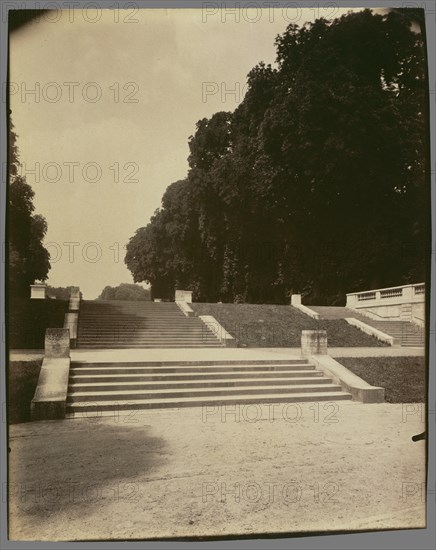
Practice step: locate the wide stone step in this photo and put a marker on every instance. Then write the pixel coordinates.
(412, 345)
(139, 315)
(114, 395)
(196, 362)
(142, 346)
(134, 329)
(132, 316)
(174, 317)
(145, 334)
(97, 407)
(144, 321)
(130, 368)
(166, 385)
(211, 371)
(129, 377)
(143, 326)
(155, 331)
(159, 342)
(154, 374)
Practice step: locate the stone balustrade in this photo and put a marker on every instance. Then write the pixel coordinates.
(405, 302)
(393, 295)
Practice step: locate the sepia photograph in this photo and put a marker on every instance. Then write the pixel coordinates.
(217, 270)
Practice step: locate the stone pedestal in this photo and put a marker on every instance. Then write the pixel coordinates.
(184, 296)
(313, 342)
(37, 292)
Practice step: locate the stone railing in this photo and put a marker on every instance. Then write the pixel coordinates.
(393, 295)
(405, 302)
(296, 302)
(219, 331)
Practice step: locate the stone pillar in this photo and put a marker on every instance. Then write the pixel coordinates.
(296, 300)
(313, 342)
(408, 294)
(57, 342)
(351, 300)
(37, 291)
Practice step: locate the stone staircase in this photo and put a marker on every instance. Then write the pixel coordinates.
(115, 386)
(129, 324)
(409, 334)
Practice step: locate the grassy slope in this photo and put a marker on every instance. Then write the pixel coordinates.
(28, 320)
(404, 378)
(22, 380)
(279, 326)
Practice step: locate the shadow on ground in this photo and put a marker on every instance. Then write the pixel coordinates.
(102, 462)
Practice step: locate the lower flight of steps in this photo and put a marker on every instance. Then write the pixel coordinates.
(408, 334)
(129, 324)
(97, 387)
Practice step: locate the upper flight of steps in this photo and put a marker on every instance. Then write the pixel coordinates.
(409, 334)
(116, 386)
(129, 324)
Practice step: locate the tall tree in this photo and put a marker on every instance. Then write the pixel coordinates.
(315, 184)
(28, 259)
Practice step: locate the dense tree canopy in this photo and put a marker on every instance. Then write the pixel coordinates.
(28, 259)
(316, 184)
(125, 291)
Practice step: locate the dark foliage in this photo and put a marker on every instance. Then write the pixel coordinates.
(28, 320)
(315, 185)
(28, 259)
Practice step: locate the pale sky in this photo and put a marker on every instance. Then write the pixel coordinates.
(177, 65)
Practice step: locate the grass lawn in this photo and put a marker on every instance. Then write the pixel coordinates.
(22, 380)
(259, 325)
(28, 319)
(404, 378)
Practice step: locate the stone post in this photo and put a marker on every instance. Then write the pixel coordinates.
(408, 294)
(184, 296)
(313, 342)
(74, 304)
(296, 300)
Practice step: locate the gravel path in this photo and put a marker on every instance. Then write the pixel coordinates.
(217, 472)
